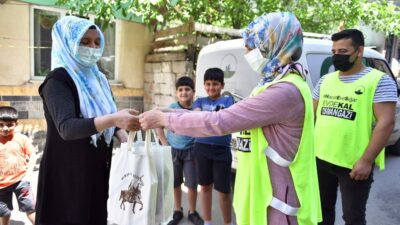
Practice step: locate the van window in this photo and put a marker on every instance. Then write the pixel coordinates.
(378, 64)
(319, 64)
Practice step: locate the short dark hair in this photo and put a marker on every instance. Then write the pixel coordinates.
(356, 36)
(214, 74)
(8, 113)
(184, 81)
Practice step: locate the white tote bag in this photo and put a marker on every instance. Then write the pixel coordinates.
(165, 174)
(133, 184)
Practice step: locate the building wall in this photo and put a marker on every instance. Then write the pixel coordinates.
(18, 89)
(30, 107)
(160, 78)
(132, 45)
(14, 43)
(16, 83)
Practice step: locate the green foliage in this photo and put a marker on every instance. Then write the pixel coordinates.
(382, 16)
(320, 16)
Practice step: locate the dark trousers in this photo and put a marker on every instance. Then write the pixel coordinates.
(354, 194)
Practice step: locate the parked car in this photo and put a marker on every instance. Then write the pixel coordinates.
(316, 58)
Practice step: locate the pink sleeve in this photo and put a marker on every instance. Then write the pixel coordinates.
(274, 105)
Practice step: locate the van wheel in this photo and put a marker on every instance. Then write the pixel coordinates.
(395, 149)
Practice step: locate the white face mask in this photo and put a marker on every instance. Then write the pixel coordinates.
(89, 56)
(256, 60)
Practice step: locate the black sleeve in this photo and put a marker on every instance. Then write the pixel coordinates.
(116, 129)
(59, 100)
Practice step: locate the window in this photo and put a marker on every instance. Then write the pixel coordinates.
(43, 21)
(319, 64)
(378, 64)
(107, 62)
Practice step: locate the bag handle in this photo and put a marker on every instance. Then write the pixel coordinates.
(139, 135)
(156, 139)
(149, 133)
(147, 142)
(131, 138)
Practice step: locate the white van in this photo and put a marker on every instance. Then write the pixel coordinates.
(240, 79)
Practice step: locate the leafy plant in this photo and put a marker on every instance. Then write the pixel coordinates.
(321, 16)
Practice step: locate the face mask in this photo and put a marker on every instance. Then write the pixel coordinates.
(256, 60)
(88, 56)
(342, 62)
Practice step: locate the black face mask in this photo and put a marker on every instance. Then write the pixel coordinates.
(342, 62)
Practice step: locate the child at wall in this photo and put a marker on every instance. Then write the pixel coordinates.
(15, 152)
(183, 156)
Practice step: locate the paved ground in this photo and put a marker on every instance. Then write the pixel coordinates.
(383, 207)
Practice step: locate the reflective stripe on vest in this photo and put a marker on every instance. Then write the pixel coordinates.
(283, 207)
(276, 158)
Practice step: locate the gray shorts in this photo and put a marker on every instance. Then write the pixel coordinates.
(184, 166)
(25, 199)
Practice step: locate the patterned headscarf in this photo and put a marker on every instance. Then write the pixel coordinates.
(94, 91)
(279, 37)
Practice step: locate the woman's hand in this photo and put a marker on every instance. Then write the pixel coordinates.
(122, 135)
(127, 119)
(152, 119)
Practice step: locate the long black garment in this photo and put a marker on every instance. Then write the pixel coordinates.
(73, 175)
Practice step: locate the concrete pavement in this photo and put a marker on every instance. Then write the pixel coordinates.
(383, 206)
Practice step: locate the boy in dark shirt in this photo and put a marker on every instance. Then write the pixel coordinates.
(213, 154)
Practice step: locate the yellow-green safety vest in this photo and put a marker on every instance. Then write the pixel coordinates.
(253, 189)
(345, 118)
(242, 180)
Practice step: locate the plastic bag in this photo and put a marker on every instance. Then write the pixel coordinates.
(133, 184)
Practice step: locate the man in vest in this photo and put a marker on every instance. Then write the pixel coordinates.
(355, 115)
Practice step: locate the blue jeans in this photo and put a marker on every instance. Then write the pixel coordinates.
(25, 198)
(184, 166)
(354, 194)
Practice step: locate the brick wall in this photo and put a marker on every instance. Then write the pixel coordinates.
(159, 81)
(30, 108)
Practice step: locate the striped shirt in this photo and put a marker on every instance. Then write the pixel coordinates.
(386, 90)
